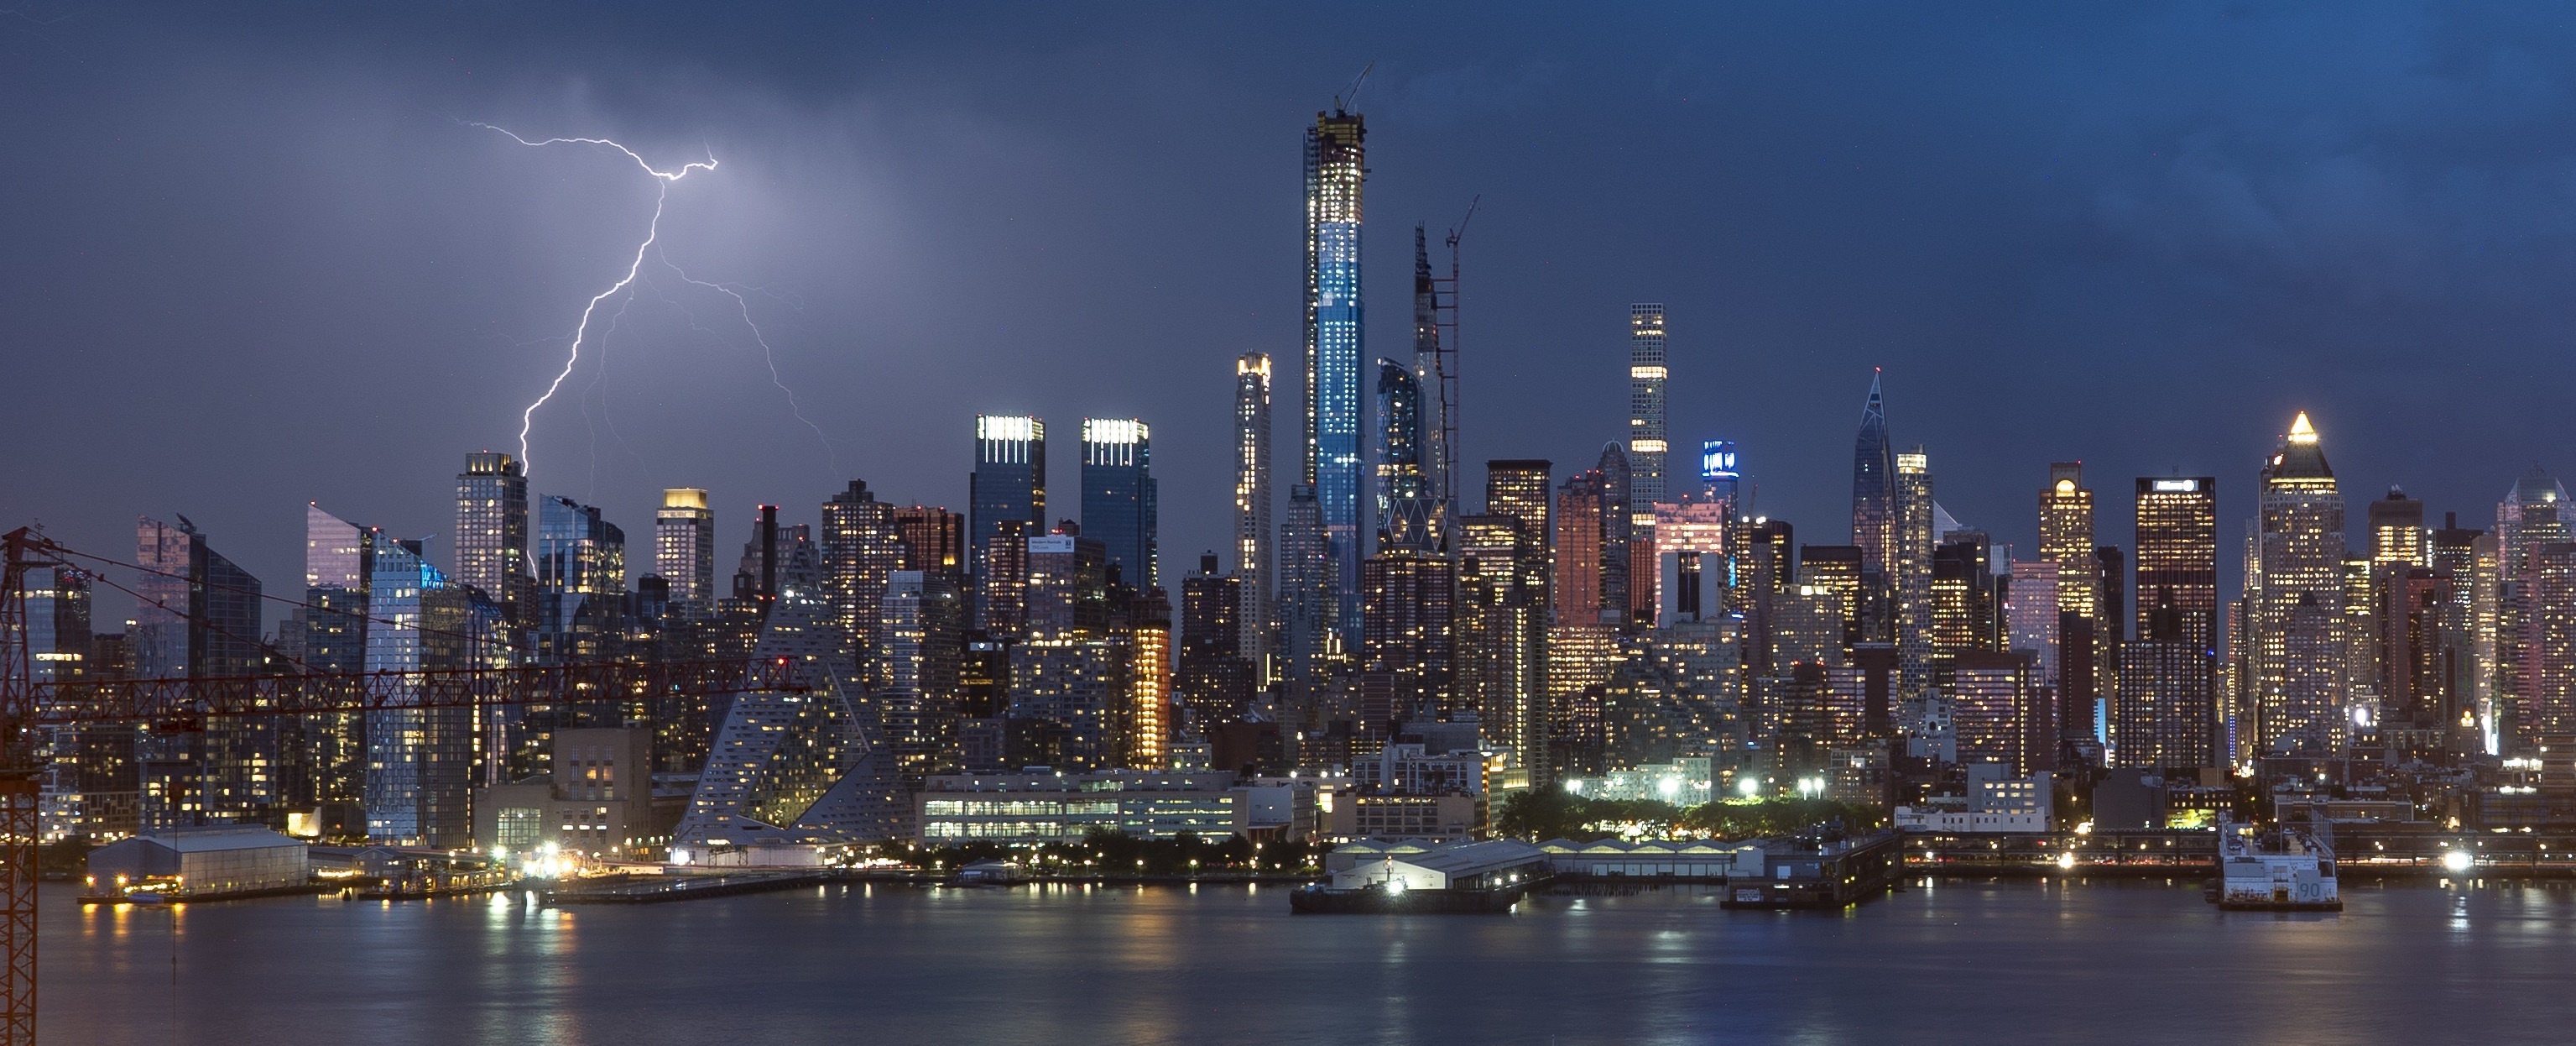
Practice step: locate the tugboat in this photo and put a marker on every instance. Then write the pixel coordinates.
(2293, 870)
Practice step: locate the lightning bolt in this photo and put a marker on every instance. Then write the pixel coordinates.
(652, 233)
(767, 355)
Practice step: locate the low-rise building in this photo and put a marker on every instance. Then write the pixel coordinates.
(200, 862)
(1447, 866)
(1994, 803)
(1054, 806)
(1696, 859)
(597, 803)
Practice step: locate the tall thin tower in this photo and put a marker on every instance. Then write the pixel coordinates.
(1874, 518)
(1252, 509)
(1646, 444)
(1336, 169)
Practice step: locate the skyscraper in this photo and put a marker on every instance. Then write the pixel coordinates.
(861, 551)
(684, 548)
(1577, 586)
(492, 533)
(1119, 506)
(934, 541)
(581, 581)
(1621, 600)
(420, 761)
(2066, 536)
(1336, 170)
(1252, 530)
(1910, 566)
(2165, 714)
(1646, 439)
(1009, 483)
(1873, 489)
(2066, 539)
(198, 615)
(2177, 555)
(2296, 652)
(1401, 482)
(1519, 488)
(1432, 369)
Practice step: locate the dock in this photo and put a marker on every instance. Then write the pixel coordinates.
(658, 889)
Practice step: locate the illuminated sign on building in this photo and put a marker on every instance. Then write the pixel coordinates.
(1717, 459)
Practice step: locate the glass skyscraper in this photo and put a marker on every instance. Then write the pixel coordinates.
(1336, 168)
(1118, 496)
(1008, 485)
(581, 580)
(198, 615)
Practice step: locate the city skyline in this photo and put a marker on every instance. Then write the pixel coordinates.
(1776, 381)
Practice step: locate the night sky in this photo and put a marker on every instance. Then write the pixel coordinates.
(255, 256)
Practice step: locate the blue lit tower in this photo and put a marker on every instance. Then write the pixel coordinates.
(1335, 171)
(1118, 497)
(1009, 484)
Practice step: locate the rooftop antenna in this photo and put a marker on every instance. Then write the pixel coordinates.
(1344, 101)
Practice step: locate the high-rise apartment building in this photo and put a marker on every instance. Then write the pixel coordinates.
(1407, 637)
(2177, 555)
(1336, 172)
(2164, 711)
(1520, 488)
(1120, 506)
(861, 551)
(1009, 484)
(2297, 668)
(1577, 585)
(1647, 443)
(1501, 636)
(1909, 559)
(1252, 530)
(684, 548)
(934, 542)
(492, 545)
(2066, 537)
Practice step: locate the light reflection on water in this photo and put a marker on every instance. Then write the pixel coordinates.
(1953, 961)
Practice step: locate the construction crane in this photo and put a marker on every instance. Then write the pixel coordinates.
(29, 706)
(1444, 311)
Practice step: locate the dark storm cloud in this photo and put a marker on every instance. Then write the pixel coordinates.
(253, 258)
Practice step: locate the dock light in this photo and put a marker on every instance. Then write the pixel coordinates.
(2066, 861)
(1395, 886)
(2458, 861)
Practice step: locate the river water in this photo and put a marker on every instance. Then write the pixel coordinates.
(1941, 962)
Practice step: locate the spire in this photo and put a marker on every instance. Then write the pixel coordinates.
(2301, 431)
(1876, 409)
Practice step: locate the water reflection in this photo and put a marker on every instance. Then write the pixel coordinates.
(1947, 961)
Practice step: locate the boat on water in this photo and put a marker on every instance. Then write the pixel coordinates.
(2287, 870)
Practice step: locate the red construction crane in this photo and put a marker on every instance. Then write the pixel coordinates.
(28, 704)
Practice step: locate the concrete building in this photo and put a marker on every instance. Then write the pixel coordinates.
(597, 802)
(1453, 866)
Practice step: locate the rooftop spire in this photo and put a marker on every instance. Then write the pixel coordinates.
(2301, 431)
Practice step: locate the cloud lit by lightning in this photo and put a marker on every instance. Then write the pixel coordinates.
(652, 232)
(634, 268)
